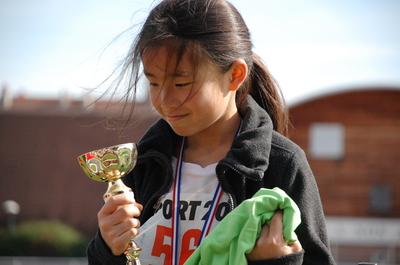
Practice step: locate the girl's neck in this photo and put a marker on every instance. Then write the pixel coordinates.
(210, 146)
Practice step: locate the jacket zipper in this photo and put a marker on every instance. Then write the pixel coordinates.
(231, 200)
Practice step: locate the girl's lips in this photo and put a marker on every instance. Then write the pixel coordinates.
(175, 117)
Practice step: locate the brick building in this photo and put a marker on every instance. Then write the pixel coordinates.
(39, 144)
(352, 141)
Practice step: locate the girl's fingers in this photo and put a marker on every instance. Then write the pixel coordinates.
(129, 210)
(276, 227)
(131, 229)
(117, 223)
(264, 231)
(121, 234)
(127, 227)
(125, 214)
(114, 203)
(271, 244)
(276, 232)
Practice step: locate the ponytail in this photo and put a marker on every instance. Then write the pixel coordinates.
(266, 92)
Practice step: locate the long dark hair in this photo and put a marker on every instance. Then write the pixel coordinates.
(212, 30)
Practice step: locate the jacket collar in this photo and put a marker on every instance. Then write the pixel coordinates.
(249, 154)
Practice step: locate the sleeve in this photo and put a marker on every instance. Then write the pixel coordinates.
(299, 183)
(98, 253)
(292, 259)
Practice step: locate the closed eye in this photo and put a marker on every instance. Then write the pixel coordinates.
(182, 85)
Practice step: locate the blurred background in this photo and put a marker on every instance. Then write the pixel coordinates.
(337, 62)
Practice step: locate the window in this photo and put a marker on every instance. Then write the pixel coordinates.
(326, 141)
(380, 199)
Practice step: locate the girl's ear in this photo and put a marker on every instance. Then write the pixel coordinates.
(238, 73)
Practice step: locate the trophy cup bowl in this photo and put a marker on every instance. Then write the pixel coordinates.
(110, 164)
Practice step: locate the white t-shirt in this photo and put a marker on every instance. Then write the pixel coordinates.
(198, 186)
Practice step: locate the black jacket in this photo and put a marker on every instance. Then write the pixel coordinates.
(259, 158)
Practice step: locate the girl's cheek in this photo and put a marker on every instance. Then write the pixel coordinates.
(155, 97)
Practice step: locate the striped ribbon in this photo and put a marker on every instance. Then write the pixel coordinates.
(176, 197)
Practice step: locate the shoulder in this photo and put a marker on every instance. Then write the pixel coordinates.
(284, 148)
(287, 161)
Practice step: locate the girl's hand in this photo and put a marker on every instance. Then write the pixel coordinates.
(270, 244)
(116, 224)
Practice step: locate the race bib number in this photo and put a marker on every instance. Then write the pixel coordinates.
(155, 236)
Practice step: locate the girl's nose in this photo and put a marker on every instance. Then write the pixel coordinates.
(168, 98)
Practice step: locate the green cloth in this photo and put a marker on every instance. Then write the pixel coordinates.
(237, 233)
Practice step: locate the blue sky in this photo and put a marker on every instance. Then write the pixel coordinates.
(310, 46)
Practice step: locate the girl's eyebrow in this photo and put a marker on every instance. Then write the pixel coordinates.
(147, 74)
(181, 73)
(174, 74)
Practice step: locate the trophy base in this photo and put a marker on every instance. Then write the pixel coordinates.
(133, 262)
(132, 254)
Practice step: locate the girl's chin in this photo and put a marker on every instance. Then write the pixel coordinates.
(180, 131)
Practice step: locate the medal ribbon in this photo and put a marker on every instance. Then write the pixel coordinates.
(176, 205)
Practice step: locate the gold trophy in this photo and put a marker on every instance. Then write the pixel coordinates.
(110, 164)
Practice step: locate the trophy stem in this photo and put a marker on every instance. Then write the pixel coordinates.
(117, 187)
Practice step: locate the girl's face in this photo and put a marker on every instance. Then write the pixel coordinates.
(192, 100)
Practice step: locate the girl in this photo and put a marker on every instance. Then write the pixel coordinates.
(222, 125)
